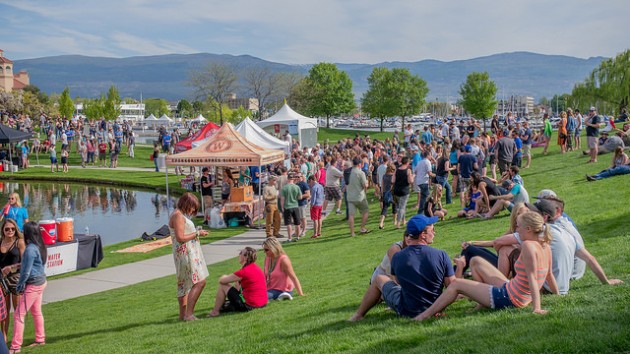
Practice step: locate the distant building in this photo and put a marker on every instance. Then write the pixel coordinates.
(521, 106)
(8, 80)
(250, 104)
(129, 112)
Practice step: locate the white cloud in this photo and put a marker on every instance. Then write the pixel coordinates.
(306, 32)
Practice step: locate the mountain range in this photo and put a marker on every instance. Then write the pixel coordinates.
(166, 76)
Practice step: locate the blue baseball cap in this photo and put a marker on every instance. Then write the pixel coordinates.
(419, 222)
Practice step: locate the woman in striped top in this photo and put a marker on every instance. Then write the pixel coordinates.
(492, 289)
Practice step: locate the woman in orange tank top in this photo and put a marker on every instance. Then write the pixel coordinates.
(281, 279)
(492, 289)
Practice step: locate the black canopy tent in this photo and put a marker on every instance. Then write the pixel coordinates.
(9, 135)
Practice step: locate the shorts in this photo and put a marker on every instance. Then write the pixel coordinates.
(527, 149)
(102, 156)
(464, 183)
(391, 294)
(332, 193)
(53, 160)
(316, 212)
(362, 206)
(303, 209)
(64, 160)
(272, 294)
(492, 159)
(454, 172)
(499, 298)
(592, 142)
(236, 302)
(292, 216)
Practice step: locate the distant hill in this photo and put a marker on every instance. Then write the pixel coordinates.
(165, 76)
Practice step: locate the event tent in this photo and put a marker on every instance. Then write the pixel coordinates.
(151, 120)
(250, 131)
(300, 127)
(200, 119)
(10, 135)
(226, 148)
(164, 119)
(204, 133)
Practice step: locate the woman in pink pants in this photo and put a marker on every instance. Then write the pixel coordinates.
(31, 285)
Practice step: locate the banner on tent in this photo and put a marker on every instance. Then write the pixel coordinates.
(293, 128)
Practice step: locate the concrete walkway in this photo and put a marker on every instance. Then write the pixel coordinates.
(137, 272)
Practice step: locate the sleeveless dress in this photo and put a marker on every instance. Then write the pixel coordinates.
(11, 257)
(190, 265)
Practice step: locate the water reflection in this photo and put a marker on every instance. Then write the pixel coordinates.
(117, 214)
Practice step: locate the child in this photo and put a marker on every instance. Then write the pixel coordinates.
(473, 194)
(433, 207)
(317, 202)
(53, 158)
(64, 159)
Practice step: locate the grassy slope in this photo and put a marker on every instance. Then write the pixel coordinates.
(335, 272)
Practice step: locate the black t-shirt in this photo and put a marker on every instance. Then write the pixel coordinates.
(204, 190)
(441, 167)
(590, 131)
(471, 130)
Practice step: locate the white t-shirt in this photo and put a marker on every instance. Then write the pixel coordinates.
(422, 172)
(563, 249)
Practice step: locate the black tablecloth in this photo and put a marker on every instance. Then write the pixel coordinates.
(90, 250)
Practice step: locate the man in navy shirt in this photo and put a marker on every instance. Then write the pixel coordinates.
(518, 154)
(418, 274)
(526, 136)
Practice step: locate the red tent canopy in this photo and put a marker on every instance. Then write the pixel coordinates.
(205, 132)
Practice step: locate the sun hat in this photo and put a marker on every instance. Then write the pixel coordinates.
(546, 193)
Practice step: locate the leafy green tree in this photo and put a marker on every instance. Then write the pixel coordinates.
(479, 96)
(378, 100)
(238, 115)
(300, 98)
(42, 97)
(330, 91)
(214, 82)
(608, 83)
(31, 104)
(111, 107)
(66, 106)
(184, 108)
(156, 106)
(198, 107)
(409, 91)
(94, 108)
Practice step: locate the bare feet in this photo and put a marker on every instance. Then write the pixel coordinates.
(190, 318)
(213, 314)
(355, 318)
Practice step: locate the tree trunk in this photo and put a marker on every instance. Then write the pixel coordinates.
(327, 121)
(382, 120)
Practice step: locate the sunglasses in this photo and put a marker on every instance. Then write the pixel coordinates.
(9, 229)
(266, 249)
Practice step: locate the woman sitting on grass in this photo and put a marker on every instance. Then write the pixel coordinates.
(281, 279)
(249, 290)
(492, 289)
(433, 206)
(385, 267)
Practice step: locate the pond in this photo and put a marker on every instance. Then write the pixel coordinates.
(115, 213)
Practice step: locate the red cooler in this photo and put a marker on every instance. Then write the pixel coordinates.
(49, 231)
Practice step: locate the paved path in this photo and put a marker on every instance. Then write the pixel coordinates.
(137, 272)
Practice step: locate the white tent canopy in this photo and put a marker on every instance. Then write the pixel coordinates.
(200, 118)
(165, 118)
(300, 127)
(255, 134)
(151, 120)
(151, 117)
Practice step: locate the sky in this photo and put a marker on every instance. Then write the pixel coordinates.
(307, 32)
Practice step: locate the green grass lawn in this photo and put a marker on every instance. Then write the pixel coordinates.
(335, 271)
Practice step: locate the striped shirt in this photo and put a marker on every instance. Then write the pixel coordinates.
(519, 289)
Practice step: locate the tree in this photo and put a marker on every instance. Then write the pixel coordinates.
(262, 85)
(608, 83)
(42, 97)
(111, 106)
(393, 93)
(479, 96)
(197, 107)
(31, 104)
(94, 108)
(156, 106)
(238, 115)
(184, 108)
(378, 100)
(410, 92)
(300, 98)
(330, 91)
(66, 106)
(9, 103)
(216, 81)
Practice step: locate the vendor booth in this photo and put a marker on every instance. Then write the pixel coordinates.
(11, 136)
(227, 148)
(302, 128)
(151, 121)
(204, 133)
(255, 134)
(80, 252)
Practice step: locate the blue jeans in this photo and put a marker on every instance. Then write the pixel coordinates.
(155, 162)
(424, 195)
(443, 181)
(620, 170)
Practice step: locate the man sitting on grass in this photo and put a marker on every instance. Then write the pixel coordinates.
(419, 273)
(516, 194)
